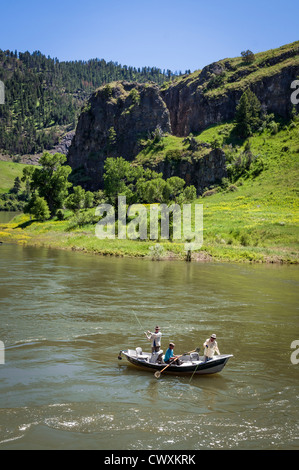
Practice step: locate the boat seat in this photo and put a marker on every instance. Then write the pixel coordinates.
(194, 356)
(138, 352)
(156, 357)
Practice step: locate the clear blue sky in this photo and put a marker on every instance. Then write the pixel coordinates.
(169, 34)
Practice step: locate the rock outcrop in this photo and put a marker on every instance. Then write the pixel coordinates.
(113, 122)
(200, 172)
(119, 115)
(213, 95)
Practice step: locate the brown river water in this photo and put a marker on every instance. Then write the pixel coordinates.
(65, 316)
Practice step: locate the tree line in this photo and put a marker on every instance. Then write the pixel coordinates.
(48, 191)
(42, 94)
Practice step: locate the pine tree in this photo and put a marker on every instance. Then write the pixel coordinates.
(247, 114)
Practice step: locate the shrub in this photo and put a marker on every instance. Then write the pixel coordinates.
(232, 188)
(38, 207)
(210, 192)
(248, 56)
(245, 239)
(60, 214)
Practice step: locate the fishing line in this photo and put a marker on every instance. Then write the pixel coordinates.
(138, 320)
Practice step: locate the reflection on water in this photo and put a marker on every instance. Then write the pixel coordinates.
(65, 316)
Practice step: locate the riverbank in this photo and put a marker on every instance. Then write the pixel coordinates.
(61, 235)
(255, 219)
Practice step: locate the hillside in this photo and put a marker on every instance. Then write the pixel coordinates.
(8, 172)
(120, 118)
(211, 95)
(43, 96)
(259, 213)
(189, 132)
(253, 220)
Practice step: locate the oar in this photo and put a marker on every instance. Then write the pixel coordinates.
(158, 373)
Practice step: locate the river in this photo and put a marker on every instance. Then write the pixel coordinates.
(65, 316)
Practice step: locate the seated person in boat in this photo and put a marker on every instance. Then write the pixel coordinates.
(155, 338)
(210, 347)
(169, 356)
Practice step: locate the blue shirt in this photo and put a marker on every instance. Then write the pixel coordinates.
(168, 355)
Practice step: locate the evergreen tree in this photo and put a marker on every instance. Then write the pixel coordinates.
(17, 185)
(247, 114)
(41, 92)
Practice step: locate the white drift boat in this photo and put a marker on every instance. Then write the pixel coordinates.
(190, 363)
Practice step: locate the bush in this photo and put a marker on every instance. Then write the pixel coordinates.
(210, 192)
(273, 126)
(60, 215)
(232, 188)
(38, 207)
(245, 239)
(248, 56)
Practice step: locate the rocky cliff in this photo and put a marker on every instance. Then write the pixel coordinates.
(119, 115)
(211, 96)
(200, 172)
(113, 122)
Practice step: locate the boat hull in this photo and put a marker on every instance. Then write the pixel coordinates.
(188, 367)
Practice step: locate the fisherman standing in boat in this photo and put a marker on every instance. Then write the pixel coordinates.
(210, 347)
(155, 338)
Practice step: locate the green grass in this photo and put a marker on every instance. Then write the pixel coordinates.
(171, 147)
(256, 222)
(8, 172)
(56, 234)
(260, 217)
(155, 152)
(238, 75)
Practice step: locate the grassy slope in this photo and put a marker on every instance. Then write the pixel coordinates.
(260, 219)
(238, 75)
(256, 222)
(8, 172)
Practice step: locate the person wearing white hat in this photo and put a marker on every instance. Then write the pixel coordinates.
(210, 347)
(155, 338)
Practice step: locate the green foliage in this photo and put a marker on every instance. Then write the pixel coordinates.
(112, 136)
(248, 114)
(254, 219)
(153, 191)
(38, 207)
(174, 187)
(51, 180)
(42, 94)
(248, 56)
(135, 96)
(13, 196)
(245, 165)
(75, 201)
(17, 185)
(12, 201)
(142, 185)
(60, 214)
(107, 91)
(157, 134)
(188, 195)
(117, 178)
(89, 198)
